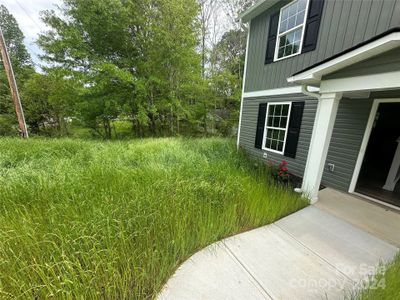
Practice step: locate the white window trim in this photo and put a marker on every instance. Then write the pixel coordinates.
(286, 129)
(278, 35)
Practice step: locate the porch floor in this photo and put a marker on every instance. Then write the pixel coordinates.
(376, 191)
(376, 219)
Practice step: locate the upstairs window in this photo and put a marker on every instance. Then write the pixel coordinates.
(292, 21)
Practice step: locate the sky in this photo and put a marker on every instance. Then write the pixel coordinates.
(27, 14)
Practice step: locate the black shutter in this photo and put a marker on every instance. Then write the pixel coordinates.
(262, 112)
(312, 25)
(272, 34)
(296, 116)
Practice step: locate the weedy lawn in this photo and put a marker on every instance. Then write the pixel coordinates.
(90, 219)
(384, 286)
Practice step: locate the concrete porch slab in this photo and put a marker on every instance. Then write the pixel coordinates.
(378, 220)
(311, 254)
(345, 247)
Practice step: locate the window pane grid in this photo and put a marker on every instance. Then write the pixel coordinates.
(291, 28)
(277, 121)
(289, 43)
(292, 15)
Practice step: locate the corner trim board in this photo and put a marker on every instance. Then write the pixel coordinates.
(243, 85)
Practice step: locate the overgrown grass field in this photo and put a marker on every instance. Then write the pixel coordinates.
(113, 220)
(385, 286)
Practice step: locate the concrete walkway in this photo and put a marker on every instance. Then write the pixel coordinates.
(311, 254)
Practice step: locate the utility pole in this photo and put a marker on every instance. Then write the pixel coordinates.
(13, 87)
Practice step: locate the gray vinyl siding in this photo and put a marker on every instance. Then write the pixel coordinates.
(345, 23)
(348, 132)
(380, 64)
(347, 136)
(248, 131)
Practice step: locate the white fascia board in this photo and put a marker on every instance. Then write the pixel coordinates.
(314, 75)
(256, 9)
(277, 92)
(371, 82)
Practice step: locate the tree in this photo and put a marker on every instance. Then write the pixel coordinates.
(170, 63)
(14, 40)
(107, 88)
(50, 101)
(134, 58)
(206, 11)
(229, 53)
(233, 8)
(227, 59)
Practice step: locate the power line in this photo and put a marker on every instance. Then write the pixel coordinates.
(28, 15)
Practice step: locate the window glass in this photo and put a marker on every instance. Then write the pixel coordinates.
(291, 28)
(276, 126)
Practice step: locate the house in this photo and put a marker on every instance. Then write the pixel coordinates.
(322, 91)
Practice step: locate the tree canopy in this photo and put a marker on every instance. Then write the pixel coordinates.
(137, 63)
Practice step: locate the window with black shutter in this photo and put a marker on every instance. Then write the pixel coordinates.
(291, 28)
(271, 42)
(312, 25)
(278, 127)
(262, 111)
(293, 132)
(294, 29)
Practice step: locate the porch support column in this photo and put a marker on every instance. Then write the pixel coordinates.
(321, 136)
(394, 173)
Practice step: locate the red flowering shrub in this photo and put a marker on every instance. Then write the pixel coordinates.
(281, 172)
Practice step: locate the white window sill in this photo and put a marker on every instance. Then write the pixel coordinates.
(273, 151)
(289, 56)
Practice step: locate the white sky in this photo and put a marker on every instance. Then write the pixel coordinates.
(27, 14)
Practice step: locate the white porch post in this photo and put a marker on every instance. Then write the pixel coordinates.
(394, 175)
(321, 136)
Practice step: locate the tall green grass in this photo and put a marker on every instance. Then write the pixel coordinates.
(87, 219)
(384, 286)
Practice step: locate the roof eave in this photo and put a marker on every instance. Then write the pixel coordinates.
(313, 76)
(256, 9)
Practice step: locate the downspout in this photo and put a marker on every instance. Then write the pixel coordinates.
(305, 91)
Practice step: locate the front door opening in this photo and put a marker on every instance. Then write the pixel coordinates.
(380, 155)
